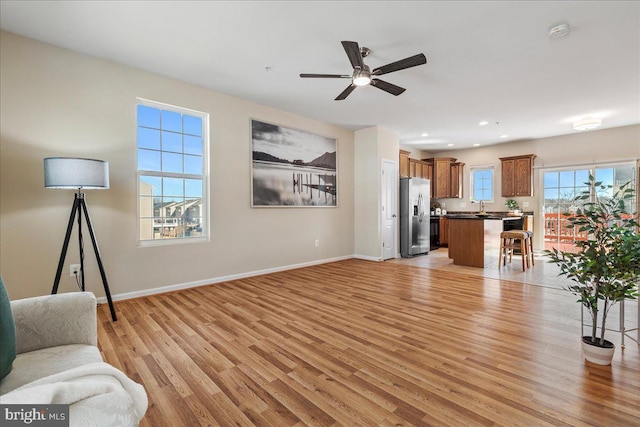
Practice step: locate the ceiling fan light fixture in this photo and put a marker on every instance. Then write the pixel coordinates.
(361, 77)
(587, 123)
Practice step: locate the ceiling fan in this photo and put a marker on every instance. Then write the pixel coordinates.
(362, 75)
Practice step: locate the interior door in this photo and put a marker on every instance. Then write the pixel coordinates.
(389, 214)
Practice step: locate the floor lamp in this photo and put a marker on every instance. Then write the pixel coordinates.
(78, 174)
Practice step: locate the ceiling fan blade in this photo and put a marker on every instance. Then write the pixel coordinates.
(353, 52)
(409, 62)
(387, 87)
(327, 76)
(346, 92)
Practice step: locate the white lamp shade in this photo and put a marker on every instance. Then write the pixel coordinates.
(76, 173)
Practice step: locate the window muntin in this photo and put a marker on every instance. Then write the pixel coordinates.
(561, 186)
(172, 172)
(481, 184)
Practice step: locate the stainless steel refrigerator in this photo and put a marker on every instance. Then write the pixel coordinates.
(414, 216)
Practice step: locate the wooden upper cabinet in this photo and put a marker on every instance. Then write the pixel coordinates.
(455, 190)
(440, 173)
(427, 170)
(415, 169)
(404, 164)
(508, 178)
(442, 177)
(517, 175)
(412, 168)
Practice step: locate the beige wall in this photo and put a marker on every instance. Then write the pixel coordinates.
(607, 145)
(55, 102)
(372, 145)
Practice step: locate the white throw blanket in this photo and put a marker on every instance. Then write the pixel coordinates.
(86, 383)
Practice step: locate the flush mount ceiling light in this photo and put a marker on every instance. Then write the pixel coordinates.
(559, 31)
(587, 123)
(424, 134)
(483, 123)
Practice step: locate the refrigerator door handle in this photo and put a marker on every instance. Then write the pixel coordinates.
(420, 207)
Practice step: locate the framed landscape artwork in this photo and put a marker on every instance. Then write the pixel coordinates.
(292, 168)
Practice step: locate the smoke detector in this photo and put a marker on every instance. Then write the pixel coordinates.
(559, 31)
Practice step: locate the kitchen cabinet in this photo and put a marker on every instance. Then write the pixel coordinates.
(419, 169)
(455, 189)
(517, 175)
(413, 168)
(427, 172)
(441, 176)
(474, 242)
(444, 231)
(404, 164)
(446, 177)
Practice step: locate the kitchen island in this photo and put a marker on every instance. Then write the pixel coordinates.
(474, 240)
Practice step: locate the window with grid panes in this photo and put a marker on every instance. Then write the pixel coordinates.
(172, 169)
(481, 184)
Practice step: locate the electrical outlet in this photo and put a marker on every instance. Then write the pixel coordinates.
(525, 204)
(443, 204)
(463, 205)
(74, 269)
(317, 242)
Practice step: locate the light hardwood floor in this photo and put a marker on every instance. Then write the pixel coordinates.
(357, 343)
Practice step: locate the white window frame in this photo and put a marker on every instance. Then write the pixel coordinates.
(205, 237)
(490, 168)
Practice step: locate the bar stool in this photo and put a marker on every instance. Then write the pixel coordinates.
(530, 246)
(508, 245)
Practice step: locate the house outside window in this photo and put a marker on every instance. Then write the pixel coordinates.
(172, 169)
(481, 183)
(560, 188)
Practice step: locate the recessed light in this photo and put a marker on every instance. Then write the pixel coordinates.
(476, 145)
(587, 123)
(424, 134)
(504, 136)
(483, 123)
(450, 145)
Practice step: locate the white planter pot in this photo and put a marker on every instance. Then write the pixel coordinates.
(596, 354)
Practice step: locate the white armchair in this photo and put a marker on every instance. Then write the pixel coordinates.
(58, 361)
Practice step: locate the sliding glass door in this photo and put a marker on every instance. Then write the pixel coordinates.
(561, 186)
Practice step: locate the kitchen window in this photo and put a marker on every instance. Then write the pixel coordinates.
(172, 166)
(481, 183)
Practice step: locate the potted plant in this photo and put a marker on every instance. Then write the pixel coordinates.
(512, 205)
(606, 266)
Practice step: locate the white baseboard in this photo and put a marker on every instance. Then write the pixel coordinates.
(367, 257)
(170, 288)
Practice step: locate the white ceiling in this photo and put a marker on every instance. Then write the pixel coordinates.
(487, 60)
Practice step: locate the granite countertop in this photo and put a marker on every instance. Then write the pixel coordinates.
(483, 217)
(490, 215)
